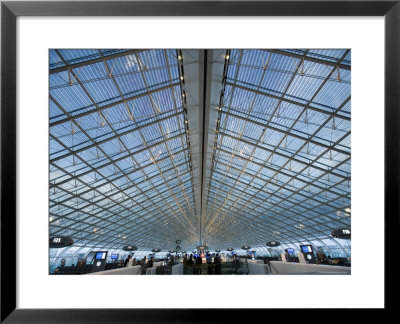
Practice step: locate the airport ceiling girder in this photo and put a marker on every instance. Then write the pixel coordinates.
(281, 98)
(94, 214)
(99, 148)
(192, 68)
(166, 230)
(290, 157)
(105, 238)
(212, 76)
(246, 204)
(136, 220)
(237, 223)
(107, 106)
(229, 233)
(303, 138)
(287, 174)
(178, 227)
(113, 161)
(152, 211)
(175, 201)
(310, 59)
(285, 198)
(293, 102)
(301, 146)
(160, 128)
(94, 61)
(305, 195)
(120, 202)
(109, 181)
(318, 130)
(106, 208)
(109, 125)
(223, 197)
(266, 221)
(268, 209)
(118, 135)
(117, 243)
(334, 113)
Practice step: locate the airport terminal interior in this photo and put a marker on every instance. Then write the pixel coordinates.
(199, 161)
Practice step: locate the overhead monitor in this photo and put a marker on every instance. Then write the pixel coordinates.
(99, 262)
(114, 256)
(290, 250)
(306, 248)
(101, 255)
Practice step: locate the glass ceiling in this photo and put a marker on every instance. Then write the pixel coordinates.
(120, 168)
(281, 161)
(121, 164)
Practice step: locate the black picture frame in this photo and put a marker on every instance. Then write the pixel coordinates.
(10, 10)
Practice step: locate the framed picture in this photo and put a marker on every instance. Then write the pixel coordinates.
(33, 31)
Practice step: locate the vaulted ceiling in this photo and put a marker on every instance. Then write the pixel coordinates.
(226, 147)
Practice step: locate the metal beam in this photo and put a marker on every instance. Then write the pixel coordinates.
(115, 103)
(293, 102)
(118, 159)
(287, 156)
(306, 139)
(117, 136)
(310, 59)
(94, 61)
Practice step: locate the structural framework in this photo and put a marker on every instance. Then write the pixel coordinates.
(227, 147)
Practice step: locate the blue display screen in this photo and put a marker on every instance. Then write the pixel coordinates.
(100, 255)
(114, 256)
(290, 250)
(306, 249)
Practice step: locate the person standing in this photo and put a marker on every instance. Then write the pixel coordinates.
(144, 265)
(209, 264)
(127, 260)
(217, 262)
(199, 261)
(190, 263)
(151, 261)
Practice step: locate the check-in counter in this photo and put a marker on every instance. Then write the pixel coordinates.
(135, 270)
(158, 263)
(151, 271)
(255, 261)
(258, 268)
(177, 269)
(278, 267)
